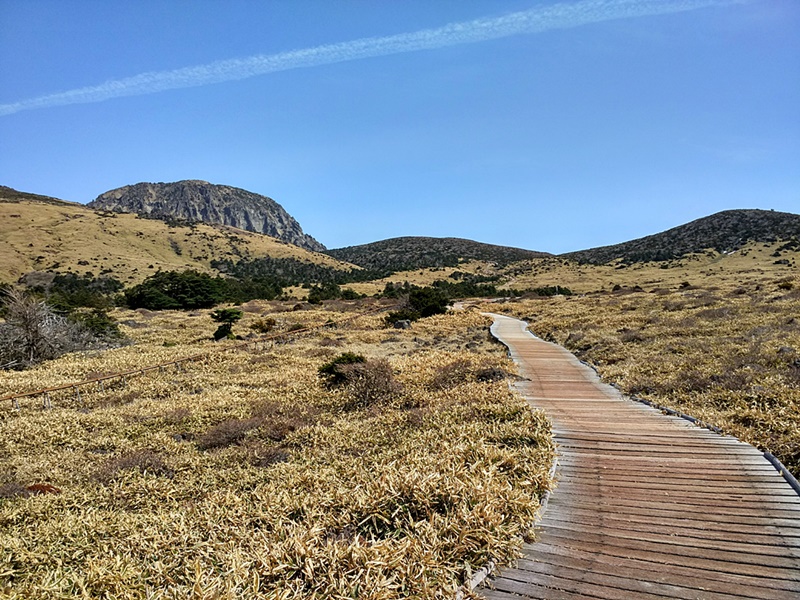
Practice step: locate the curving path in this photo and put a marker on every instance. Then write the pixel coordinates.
(646, 506)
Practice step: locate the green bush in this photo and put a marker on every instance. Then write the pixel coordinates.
(552, 290)
(227, 317)
(98, 322)
(332, 372)
(326, 291)
(69, 291)
(422, 302)
(177, 290)
(428, 301)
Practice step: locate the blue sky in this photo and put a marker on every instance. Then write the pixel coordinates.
(568, 125)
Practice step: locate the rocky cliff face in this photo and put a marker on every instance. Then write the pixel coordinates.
(202, 201)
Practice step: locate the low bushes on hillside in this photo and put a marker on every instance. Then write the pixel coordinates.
(189, 290)
(33, 332)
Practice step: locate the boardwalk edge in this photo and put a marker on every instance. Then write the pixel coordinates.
(490, 567)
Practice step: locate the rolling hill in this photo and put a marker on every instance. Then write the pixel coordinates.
(723, 232)
(39, 233)
(410, 253)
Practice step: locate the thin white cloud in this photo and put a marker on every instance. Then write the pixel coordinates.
(557, 16)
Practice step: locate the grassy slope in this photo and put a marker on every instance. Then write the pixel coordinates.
(58, 235)
(752, 264)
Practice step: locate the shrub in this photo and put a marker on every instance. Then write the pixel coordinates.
(451, 375)
(556, 290)
(227, 433)
(262, 455)
(326, 291)
(227, 317)
(68, 291)
(177, 290)
(369, 383)
(428, 301)
(144, 461)
(264, 325)
(405, 314)
(488, 374)
(33, 332)
(13, 490)
(98, 322)
(420, 303)
(631, 335)
(278, 420)
(332, 371)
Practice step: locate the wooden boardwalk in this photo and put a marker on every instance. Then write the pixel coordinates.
(647, 506)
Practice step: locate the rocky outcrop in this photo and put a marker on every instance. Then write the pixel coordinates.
(208, 203)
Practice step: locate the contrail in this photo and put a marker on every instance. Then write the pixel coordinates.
(536, 20)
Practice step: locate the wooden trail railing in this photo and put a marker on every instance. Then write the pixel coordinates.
(123, 375)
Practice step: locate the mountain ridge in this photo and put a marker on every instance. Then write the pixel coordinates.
(418, 252)
(724, 231)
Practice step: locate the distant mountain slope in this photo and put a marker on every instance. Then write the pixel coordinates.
(409, 253)
(724, 232)
(8, 194)
(208, 203)
(38, 233)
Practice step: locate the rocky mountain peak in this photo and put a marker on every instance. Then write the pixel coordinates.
(196, 200)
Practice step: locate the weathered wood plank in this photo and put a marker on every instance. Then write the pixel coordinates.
(684, 584)
(542, 551)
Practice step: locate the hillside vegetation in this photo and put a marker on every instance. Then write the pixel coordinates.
(60, 236)
(723, 232)
(410, 253)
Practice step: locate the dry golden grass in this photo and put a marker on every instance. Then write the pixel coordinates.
(753, 264)
(36, 236)
(423, 277)
(725, 350)
(294, 496)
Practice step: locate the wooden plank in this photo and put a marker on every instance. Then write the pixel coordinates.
(736, 494)
(491, 594)
(687, 528)
(514, 580)
(751, 587)
(666, 554)
(674, 477)
(641, 582)
(658, 510)
(546, 551)
(769, 554)
(515, 589)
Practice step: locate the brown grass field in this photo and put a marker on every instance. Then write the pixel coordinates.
(243, 476)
